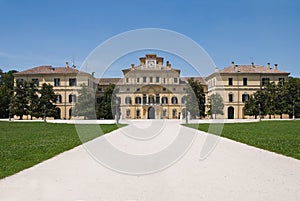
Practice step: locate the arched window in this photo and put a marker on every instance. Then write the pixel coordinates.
(245, 97)
(183, 100)
(151, 99)
(138, 100)
(58, 98)
(128, 100)
(174, 113)
(164, 100)
(157, 99)
(144, 99)
(72, 98)
(174, 100)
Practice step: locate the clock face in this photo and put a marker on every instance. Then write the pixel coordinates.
(151, 63)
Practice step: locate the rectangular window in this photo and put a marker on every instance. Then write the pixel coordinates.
(164, 80)
(157, 79)
(20, 80)
(99, 89)
(175, 79)
(58, 99)
(56, 82)
(127, 89)
(265, 81)
(72, 98)
(230, 81)
(72, 82)
(164, 113)
(151, 79)
(128, 113)
(230, 98)
(144, 79)
(281, 81)
(99, 99)
(127, 79)
(35, 82)
(137, 79)
(245, 97)
(245, 81)
(164, 89)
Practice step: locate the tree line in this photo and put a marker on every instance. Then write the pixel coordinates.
(24, 98)
(29, 100)
(281, 98)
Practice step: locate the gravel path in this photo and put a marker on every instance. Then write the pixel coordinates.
(170, 155)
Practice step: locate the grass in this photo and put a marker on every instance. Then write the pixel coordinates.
(23, 145)
(282, 137)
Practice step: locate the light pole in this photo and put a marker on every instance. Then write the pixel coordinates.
(259, 111)
(294, 110)
(44, 113)
(186, 112)
(117, 112)
(9, 114)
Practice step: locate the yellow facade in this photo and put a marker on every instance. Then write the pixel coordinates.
(154, 90)
(65, 81)
(237, 83)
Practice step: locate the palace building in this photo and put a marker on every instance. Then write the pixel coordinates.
(64, 81)
(153, 89)
(237, 82)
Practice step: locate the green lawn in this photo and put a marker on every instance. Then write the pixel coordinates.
(23, 145)
(282, 137)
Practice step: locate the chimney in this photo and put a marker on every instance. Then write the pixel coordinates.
(132, 66)
(275, 66)
(167, 63)
(67, 64)
(216, 70)
(253, 64)
(232, 64)
(268, 66)
(236, 68)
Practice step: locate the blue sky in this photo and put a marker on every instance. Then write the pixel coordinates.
(36, 33)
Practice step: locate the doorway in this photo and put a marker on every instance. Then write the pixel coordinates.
(151, 113)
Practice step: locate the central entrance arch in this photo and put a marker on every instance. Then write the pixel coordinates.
(151, 113)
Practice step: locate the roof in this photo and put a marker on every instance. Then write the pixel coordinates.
(251, 69)
(49, 70)
(200, 79)
(126, 70)
(107, 81)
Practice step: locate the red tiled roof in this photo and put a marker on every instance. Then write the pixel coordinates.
(107, 81)
(50, 70)
(200, 79)
(251, 69)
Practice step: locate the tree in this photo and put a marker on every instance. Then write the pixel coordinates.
(292, 96)
(270, 92)
(32, 100)
(215, 104)
(195, 98)
(251, 107)
(47, 101)
(107, 106)
(6, 91)
(86, 103)
(19, 102)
